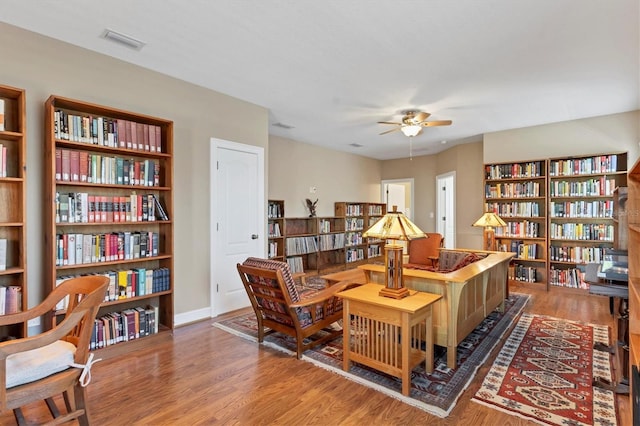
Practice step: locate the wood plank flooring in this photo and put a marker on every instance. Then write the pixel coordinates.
(205, 376)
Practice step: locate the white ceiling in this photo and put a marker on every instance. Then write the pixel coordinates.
(333, 68)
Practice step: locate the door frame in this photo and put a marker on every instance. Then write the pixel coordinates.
(410, 182)
(216, 144)
(439, 212)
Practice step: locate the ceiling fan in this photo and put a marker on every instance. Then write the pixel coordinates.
(412, 123)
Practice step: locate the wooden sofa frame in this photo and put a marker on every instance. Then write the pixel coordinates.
(469, 295)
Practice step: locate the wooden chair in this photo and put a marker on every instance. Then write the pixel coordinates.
(39, 367)
(279, 307)
(424, 252)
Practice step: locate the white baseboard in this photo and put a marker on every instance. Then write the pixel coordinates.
(191, 316)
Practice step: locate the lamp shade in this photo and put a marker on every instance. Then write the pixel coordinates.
(490, 219)
(411, 130)
(394, 226)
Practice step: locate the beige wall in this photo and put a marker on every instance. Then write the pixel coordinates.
(597, 135)
(43, 66)
(466, 161)
(294, 167)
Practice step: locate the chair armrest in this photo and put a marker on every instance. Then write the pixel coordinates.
(10, 347)
(45, 307)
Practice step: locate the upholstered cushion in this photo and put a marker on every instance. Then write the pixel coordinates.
(450, 258)
(29, 366)
(460, 262)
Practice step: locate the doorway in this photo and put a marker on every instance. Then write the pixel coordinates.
(398, 192)
(238, 222)
(446, 208)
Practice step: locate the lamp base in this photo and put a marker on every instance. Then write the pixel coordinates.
(395, 293)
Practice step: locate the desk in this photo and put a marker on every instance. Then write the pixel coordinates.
(385, 333)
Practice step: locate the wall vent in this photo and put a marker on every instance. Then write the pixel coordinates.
(123, 39)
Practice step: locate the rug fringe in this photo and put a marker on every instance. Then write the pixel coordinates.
(407, 400)
(235, 332)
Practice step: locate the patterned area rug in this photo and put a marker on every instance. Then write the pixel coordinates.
(436, 393)
(544, 373)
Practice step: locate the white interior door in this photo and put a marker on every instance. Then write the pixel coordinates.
(446, 208)
(395, 197)
(238, 220)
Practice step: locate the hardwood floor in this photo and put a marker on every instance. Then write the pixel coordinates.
(205, 376)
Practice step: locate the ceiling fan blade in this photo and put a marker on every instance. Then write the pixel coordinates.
(389, 122)
(389, 131)
(436, 123)
(421, 116)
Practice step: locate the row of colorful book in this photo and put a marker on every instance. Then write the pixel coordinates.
(83, 166)
(82, 207)
(124, 326)
(78, 249)
(105, 131)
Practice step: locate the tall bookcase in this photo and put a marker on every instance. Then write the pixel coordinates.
(13, 273)
(357, 218)
(517, 193)
(275, 220)
(109, 194)
(353, 216)
(633, 220)
(559, 214)
(581, 221)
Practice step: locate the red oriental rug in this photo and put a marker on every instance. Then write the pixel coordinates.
(545, 370)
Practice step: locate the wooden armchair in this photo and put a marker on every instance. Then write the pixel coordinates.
(424, 252)
(56, 361)
(279, 307)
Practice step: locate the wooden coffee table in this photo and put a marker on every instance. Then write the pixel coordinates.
(387, 334)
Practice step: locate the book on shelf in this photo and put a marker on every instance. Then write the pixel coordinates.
(3, 254)
(2, 128)
(13, 302)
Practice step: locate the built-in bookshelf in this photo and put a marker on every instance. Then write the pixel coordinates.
(517, 193)
(275, 222)
(581, 221)
(109, 198)
(13, 273)
(559, 214)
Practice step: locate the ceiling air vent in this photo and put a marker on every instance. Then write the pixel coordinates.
(283, 126)
(123, 39)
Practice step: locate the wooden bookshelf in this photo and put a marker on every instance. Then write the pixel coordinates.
(517, 193)
(581, 219)
(375, 246)
(353, 215)
(633, 221)
(275, 221)
(13, 273)
(563, 208)
(323, 245)
(109, 178)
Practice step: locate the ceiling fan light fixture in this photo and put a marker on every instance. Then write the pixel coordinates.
(411, 130)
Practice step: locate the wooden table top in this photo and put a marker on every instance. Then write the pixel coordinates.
(369, 293)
